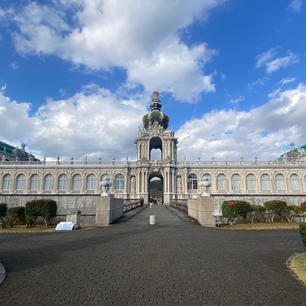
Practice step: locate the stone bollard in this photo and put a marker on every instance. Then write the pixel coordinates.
(152, 220)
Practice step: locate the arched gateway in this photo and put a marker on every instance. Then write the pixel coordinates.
(155, 135)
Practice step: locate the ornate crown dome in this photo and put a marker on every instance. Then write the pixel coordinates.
(156, 115)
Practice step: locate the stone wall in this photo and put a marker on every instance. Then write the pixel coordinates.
(108, 210)
(202, 209)
(66, 204)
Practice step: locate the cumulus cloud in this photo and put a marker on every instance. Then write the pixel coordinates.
(263, 131)
(272, 63)
(142, 37)
(93, 122)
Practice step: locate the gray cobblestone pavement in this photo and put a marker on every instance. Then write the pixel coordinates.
(173, 263)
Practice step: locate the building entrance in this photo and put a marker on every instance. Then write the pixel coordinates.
(156, 188)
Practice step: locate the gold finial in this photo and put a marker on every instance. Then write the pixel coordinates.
(155, 96)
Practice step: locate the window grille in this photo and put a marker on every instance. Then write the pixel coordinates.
(192, 182)
(20, 182)
(34, 182)
(7, 182)
(76, 182)
(91, 182)
(62, 182)
(119, 181)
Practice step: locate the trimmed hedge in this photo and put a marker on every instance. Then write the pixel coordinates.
(296, 209)
(234, 209)
(303, 233)
(278, 207)
(17, 214)
(40, 208)
(3, 210)
(258, 208)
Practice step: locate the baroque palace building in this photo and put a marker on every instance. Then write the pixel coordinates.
(76, 184)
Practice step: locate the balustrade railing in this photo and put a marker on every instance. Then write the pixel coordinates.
(180, 204)
(131, 204)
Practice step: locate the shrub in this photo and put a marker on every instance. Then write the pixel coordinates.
(258, 208)
(40, 208)
(278, 207)
(3, 212)
(234, 209)
(303, 233)
(16, 215)
(303, 206)
(296, 209)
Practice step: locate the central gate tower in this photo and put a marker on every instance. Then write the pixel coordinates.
(155, 135)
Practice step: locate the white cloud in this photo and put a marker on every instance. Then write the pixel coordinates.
(261, 132)
(14, 65)
(281, 62)
(137, 35)
(258, 82)
(286, 81)
(91, 124)
(296, 5)
(237, 100)
(272, 63)
(95, 122)
(265, 57)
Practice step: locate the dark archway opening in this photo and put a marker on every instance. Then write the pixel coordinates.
(156, 148)
(156, 187)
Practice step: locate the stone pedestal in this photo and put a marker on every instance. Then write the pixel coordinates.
(202, 209)
(108, 209)
(75, 219)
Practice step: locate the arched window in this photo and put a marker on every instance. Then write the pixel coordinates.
(265, 182)
(76, 182)
(34, 182)
(156, 148)
(91, 182)
(294, 182)
(279, 182)
(250, 182)
(192, 182)
(20, 182)
(62, 182)
(208, 177)
(7, 182)
(48, 182)
(221, 182)
(119, 181)
(236, 182)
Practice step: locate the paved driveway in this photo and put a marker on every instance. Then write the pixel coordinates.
(135, 264)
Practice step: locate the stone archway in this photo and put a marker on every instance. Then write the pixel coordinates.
(156, 144)
(156, 187)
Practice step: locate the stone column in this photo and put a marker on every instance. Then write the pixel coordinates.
(41, 179)
(83, 185)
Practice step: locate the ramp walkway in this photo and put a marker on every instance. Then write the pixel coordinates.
(163, 216)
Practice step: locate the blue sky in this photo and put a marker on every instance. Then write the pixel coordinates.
(76, 76)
